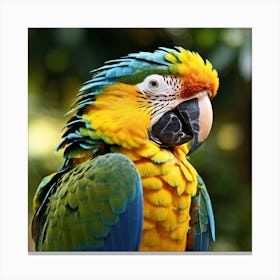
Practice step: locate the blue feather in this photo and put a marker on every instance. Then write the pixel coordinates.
(126, 234)
(94, 79)
(74, 136)
(94, 84)
(118, 72)
(158, 57)
(117, 69)
(84, 146)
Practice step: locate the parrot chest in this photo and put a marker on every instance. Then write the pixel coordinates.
(168, 182)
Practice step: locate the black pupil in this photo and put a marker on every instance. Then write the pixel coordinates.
(153, 83)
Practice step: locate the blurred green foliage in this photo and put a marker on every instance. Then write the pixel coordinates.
(59, 61)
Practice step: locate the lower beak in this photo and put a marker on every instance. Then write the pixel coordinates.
(191, 119)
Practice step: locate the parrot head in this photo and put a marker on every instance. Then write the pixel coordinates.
(162, 97)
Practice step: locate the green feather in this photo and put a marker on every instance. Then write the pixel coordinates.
(139, 75)
(87, 203)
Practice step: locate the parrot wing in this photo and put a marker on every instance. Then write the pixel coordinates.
(98, 205)
(202, 224)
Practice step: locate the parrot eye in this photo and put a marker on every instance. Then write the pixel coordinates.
(154, 84)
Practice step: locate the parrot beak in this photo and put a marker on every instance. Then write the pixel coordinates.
(198, 113)
(190, 120)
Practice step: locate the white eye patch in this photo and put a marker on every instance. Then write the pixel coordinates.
(154, 84)
(160, 85)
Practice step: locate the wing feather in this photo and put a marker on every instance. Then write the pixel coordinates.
(95, 206)
(202, 224)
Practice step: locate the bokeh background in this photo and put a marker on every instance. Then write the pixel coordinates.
(59, 61)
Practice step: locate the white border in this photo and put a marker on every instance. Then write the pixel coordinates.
(17, 16)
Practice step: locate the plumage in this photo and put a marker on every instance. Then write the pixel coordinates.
(202, 220)
(126, 183)
(90, 210)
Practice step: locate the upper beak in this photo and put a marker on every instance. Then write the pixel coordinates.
(198, 114)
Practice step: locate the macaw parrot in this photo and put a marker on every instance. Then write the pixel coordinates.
(126, 183)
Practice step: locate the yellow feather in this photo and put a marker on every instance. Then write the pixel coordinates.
(151, 239)
(147, 225)
(120, 116)
(161, 197)
(198, 75)
(184, 202)
(191, 184)
(179, 233)
(147, 150)
(191, 187)
(184, 148)
(186, 172)
(170, 223)
(155, 213)
(181, 186)
(148, 169)
(152, 183)
(162, 156)
(175, 179)
(183, 69)
(187, 169)
(167, 166)
(128, 152)
(171, 58)
(183, 217)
